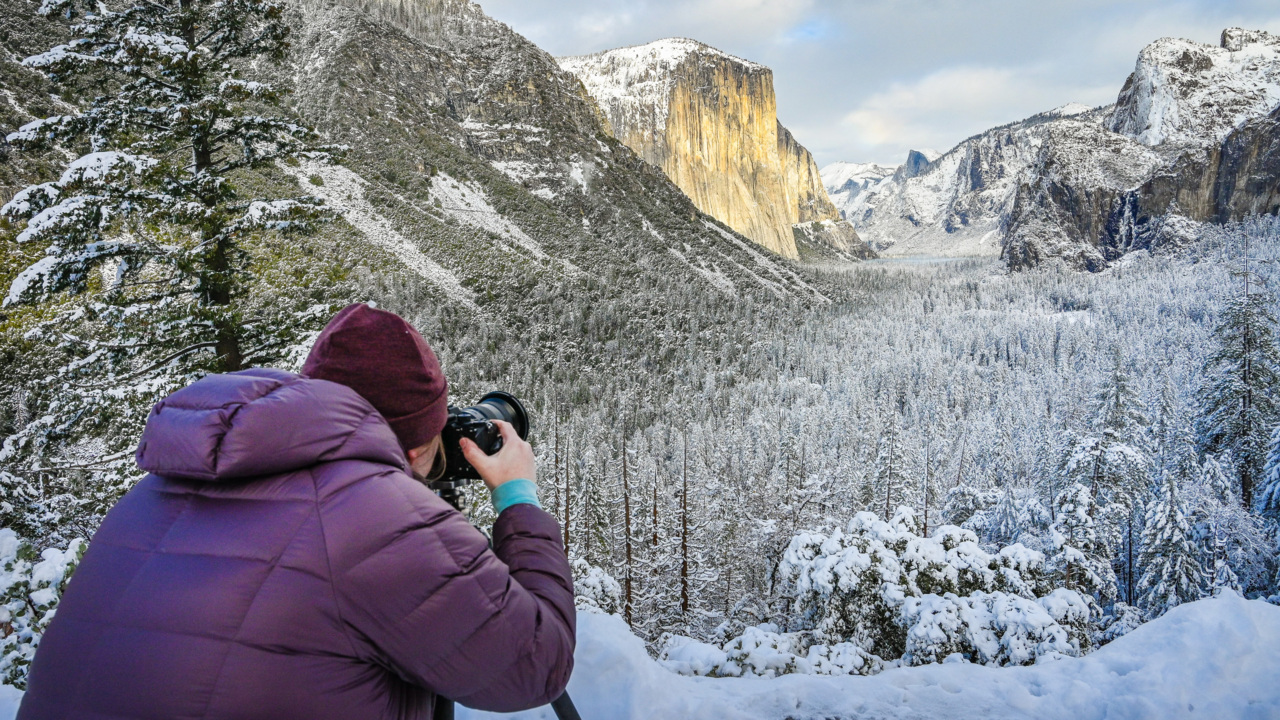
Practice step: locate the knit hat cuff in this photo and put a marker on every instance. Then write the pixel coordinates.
(416, 429)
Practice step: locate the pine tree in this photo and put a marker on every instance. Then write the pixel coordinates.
(1238, 401)
(1269, 491)
(1223, 577)
(148, 230)
(1110, 459)
(1080, 559)
(1008, 519)
(1173, 572)
(891, 470)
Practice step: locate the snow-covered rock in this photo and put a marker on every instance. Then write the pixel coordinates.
(845, 180)
(1214, 658)
(1184, 93)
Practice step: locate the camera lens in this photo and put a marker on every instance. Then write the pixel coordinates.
(504, 406)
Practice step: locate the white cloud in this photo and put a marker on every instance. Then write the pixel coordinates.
(574, 27)
(746, 21)
(945, 106)
(865, 80)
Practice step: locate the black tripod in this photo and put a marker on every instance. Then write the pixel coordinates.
(562, 705)
(451, 492)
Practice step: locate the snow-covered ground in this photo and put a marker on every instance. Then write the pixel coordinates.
(1217, 658)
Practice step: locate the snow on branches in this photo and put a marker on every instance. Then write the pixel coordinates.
(877, 594)
(149, 237)
(30, 587)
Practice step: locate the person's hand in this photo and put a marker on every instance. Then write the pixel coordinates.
(513, 462)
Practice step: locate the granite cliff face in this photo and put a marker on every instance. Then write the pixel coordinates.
(1192, 138)
(709, 120)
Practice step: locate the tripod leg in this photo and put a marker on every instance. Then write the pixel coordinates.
(564, 708)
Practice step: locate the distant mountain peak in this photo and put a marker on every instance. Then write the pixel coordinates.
(666, 53)
(1185, 93)
(1070, 109)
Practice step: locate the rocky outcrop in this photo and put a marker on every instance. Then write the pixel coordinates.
(1187, 94)
(918, 163)
(709, 120)
(830, 240)
(492, 177)
(1226, 182)
(1208, 116)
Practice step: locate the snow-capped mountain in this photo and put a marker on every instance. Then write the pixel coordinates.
(709, 120)
(845, 180)
(1184, 93)
(1089, 184)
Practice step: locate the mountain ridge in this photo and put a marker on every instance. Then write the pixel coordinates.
(1069, 182)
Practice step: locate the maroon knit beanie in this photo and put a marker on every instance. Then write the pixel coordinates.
(380, 356)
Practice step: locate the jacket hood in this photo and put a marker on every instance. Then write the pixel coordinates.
(262, 422)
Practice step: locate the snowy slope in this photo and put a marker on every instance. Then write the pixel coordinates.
(958, 203)
(1215, 658)
(840, 175)
(844, 181)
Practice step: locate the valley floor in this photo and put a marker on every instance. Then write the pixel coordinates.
(1216, 658)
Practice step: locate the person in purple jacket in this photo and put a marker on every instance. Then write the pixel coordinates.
(281, 560)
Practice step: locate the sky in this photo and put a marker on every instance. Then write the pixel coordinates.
(868, 80)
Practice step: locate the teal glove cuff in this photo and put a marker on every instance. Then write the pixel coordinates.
(514, 492)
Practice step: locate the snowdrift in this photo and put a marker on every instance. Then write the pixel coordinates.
(1216, 658)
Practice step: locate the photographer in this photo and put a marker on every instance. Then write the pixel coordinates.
(282, 561)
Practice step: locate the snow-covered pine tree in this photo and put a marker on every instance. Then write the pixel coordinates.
(891, 467)
(1222, 576)
(1008, 519)
(1238, 401)
(1234, 542)
(1110, 459)
(1080, 560)
(147, 231)
(1173, 572)
(1269, 490)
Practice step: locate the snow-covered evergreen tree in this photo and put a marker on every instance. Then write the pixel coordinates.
(1173, 572)
(1235, 543)
(1269, 490)
(147, 231)
(1079, 560)
(1222, 577)
(1238, 401)
(31, 585)
(891, 467)
(1110, 459)
(1008, 518)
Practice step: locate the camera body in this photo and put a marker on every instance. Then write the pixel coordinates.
(476, 423)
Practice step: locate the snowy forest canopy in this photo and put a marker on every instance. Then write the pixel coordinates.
(1072, 414)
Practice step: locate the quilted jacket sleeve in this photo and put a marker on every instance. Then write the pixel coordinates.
(422, 593)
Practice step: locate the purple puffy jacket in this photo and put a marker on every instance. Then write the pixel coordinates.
(278, 562)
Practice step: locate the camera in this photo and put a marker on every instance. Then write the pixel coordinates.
(476, 422)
